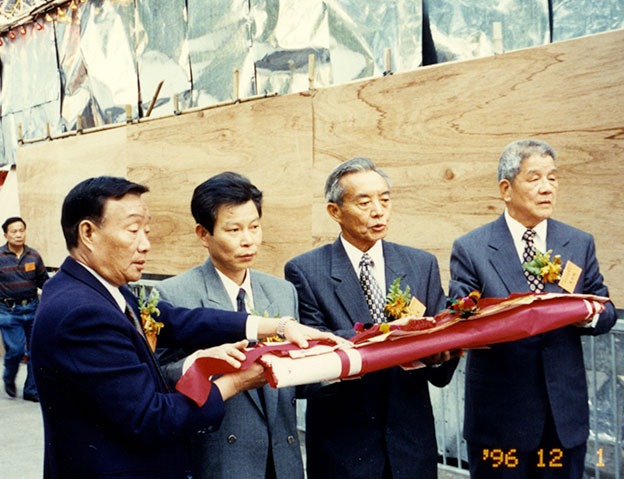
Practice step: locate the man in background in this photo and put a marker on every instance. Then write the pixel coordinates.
(21, 272)
(527, 396)
(258, 435)
(381, 425)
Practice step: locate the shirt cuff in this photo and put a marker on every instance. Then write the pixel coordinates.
(251, 327)
(593, 322)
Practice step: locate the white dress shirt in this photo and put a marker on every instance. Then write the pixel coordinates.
(231, 288)
(376, 253)
(517, 229)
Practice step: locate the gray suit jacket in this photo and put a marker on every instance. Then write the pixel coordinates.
(239, 448)
(519, 380)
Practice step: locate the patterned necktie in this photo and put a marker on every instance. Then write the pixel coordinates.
(240, 301)
(372, 291)
(535, 283)
(134, 320)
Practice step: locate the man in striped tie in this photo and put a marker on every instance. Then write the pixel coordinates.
(527, 398)
(379, 426)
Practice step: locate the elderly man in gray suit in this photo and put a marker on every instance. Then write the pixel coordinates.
(380, 426)
(258, 435)
(534, 389)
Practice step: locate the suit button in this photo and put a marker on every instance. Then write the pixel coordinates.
(231, 439)
(293, 401)
(291, 439)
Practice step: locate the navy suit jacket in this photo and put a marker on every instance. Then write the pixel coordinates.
(510, 386)
(106, 409)
(239, 448)
(357, 428)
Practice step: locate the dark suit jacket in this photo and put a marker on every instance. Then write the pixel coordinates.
(509, 387)
(106, 409)
(239, 448)
(359, 427)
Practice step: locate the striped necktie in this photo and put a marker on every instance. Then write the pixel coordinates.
(372, 291)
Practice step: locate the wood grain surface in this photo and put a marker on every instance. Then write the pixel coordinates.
(436, 131)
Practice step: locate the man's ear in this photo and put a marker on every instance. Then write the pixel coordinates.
(86, 230)
(504, 186)
(334, 211)
(203, 234)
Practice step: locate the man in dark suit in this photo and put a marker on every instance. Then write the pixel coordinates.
(107, 411)
(379, 426)
(527, 398)
(258, 435)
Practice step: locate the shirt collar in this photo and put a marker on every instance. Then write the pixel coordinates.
(231, 288)
(517, 229)
(113, 290)
(7, 250)
(376, 253)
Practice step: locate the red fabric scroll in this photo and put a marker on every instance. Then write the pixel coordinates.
(497, 320)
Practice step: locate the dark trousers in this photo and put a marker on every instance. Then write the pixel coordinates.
(549, 461)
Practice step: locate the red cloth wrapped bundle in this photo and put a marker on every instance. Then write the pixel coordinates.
(495, 321)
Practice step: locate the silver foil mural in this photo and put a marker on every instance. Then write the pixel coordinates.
(575, 18)
(464, 29)
(92, 60)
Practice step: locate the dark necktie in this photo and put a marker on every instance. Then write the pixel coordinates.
(372, 291)
(241, 308)
(240, 301)
(535, 283)
(135, 321)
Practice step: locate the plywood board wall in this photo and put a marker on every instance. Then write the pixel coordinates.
(439, 132)
(436, 131)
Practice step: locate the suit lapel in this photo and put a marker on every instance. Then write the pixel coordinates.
(560, 245)
(347, 285)
(262, 298)
(395, 268)
(263, 302)
(504, 258)
(215, 295)
(71, 267)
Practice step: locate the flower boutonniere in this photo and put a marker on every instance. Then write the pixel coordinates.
(147, 306)
(542, 267)
(401, 303)
(270, 339)
(465, 306)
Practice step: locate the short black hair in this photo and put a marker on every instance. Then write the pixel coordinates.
(10, 221)
(226, 188)
(86, 200)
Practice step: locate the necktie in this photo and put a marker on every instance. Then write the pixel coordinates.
(372, 291)
(241, 308)
(240, 301)
(134, 320)
(535, 283)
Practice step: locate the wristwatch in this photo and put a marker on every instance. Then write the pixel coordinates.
(281, 325)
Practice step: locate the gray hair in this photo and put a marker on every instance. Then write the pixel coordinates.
(516, 152)
(334, 192)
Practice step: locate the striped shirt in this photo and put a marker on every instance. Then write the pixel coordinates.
(20, 277)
